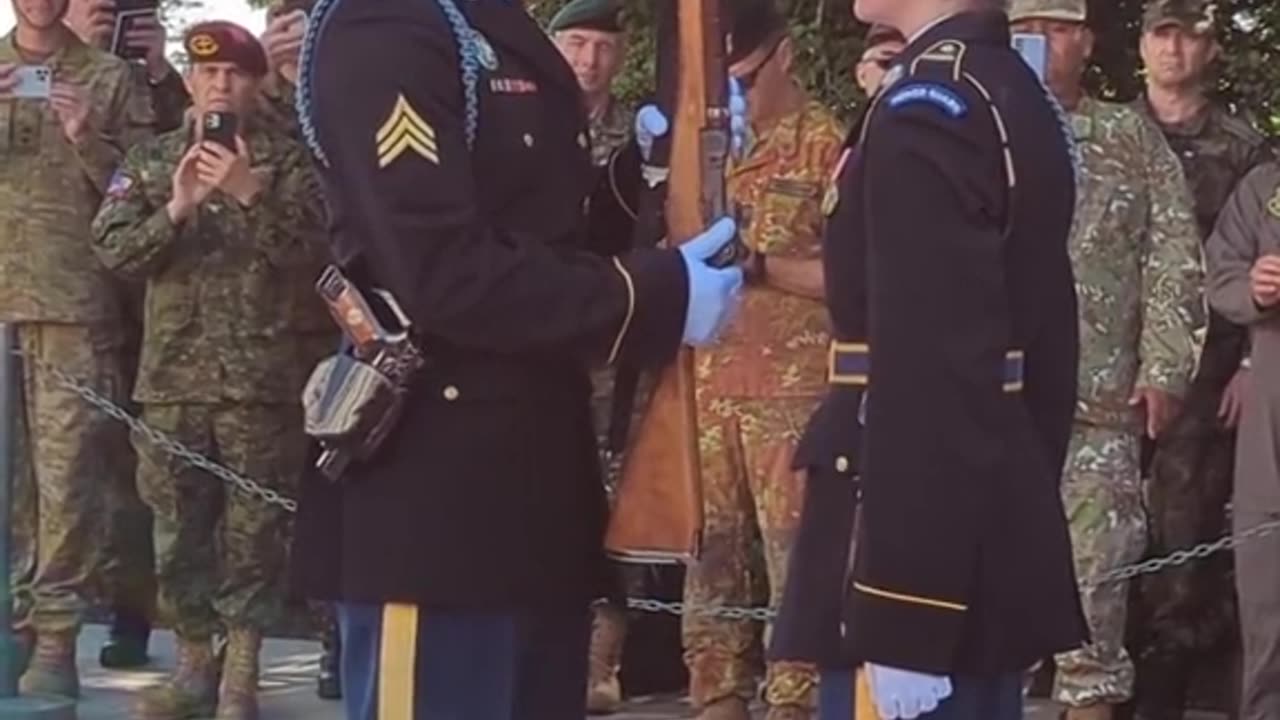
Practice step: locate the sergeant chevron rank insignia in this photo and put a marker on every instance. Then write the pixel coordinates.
(404, 131)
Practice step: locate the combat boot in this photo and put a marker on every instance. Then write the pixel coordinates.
(1097, 711)
(52, 667)
(608, 631)
(730, 708)
(126, 646)
(238, 692)
(190, 692)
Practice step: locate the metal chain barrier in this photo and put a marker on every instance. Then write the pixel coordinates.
(164, 442)
(728, 612)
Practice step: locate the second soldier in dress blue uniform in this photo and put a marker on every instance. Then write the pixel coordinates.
(464, 555)
(933, 565)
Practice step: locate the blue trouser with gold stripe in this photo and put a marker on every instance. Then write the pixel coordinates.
(996, 697)
(400, 662)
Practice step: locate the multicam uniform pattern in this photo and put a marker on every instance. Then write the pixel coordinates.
(756, 391)
(1184, 612)
(1139, 278)
(221, 368)
(67, 312)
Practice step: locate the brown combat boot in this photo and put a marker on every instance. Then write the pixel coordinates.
(1099, 711)
(52, 667)
(608, 631)
(730, 708)
(238, 693)
(190, 692)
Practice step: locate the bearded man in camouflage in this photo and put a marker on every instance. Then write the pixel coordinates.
(1136, 255)
(1185, 617)
(56, 156)
(217, 233)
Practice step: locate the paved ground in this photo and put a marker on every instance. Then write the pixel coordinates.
(288, 685)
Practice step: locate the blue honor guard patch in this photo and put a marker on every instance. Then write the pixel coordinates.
(938, 96)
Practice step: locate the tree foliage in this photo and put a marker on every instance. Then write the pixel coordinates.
(829, 41)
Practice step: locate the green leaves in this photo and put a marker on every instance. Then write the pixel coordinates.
(829, 42)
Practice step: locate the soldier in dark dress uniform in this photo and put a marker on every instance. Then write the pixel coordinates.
(464, 555)
(933, 564)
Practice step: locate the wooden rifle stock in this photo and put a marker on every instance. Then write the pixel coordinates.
(657, 515)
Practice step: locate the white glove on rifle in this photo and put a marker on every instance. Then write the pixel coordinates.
(905, 694)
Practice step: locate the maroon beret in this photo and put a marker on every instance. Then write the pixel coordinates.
(222, 41)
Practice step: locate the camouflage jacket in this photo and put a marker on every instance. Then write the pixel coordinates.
(1136, 253)
(224, 296)
(1216, 151)
(610, 131)
(777, 344)
(50, 189)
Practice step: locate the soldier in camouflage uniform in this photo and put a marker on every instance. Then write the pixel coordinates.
(58, 155)
(1136, 256)
(589, 35)
(127, 575)
(217, 235)
(757, 388)
(1184, 617)
(318, 335)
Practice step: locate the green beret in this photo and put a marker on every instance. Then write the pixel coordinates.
(599, 15)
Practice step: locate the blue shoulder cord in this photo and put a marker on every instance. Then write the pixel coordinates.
(468, 60)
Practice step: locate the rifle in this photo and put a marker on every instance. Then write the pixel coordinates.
(657, 516)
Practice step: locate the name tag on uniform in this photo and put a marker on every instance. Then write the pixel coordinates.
(513, 86)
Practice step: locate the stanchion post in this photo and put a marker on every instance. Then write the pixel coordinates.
(13, 707)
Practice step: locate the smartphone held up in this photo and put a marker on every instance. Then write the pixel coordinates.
(220, 127)
(129, 16)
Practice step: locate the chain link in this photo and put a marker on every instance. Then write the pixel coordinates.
(162, 441)
(728, 612)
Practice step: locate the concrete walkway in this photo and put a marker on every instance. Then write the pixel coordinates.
(288, 685)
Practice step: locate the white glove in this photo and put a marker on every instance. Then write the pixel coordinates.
(713, 293)
(650, 125)
(905, 694)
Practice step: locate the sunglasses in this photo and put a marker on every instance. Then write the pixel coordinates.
(748, 80)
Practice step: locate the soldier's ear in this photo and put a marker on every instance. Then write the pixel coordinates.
(1089, 40)
(786, 54)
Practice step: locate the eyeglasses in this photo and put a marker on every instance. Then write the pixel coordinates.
(748, 80)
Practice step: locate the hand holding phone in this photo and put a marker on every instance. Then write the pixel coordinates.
(132, 15)
(220, 127)
(30, 81)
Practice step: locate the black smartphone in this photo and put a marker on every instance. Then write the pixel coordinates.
(220, 127)
(127, 13)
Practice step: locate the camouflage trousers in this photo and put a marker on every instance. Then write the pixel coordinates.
(1102, 494)
(127, 574)
(221, 554)
(1184, 617)
(752, 503)
(58, 484)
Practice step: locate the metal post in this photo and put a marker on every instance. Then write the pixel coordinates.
(13, 707)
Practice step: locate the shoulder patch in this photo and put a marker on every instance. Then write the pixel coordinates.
(405, 131)
(939, 96)
(1273, 206)
(120, 185)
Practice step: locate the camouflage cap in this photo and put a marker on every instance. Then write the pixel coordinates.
(1067, 10)
(1198, 16)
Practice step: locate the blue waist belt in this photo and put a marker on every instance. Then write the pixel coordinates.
(850, 364)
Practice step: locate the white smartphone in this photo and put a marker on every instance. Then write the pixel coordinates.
(1034, 49)
(33, 81)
